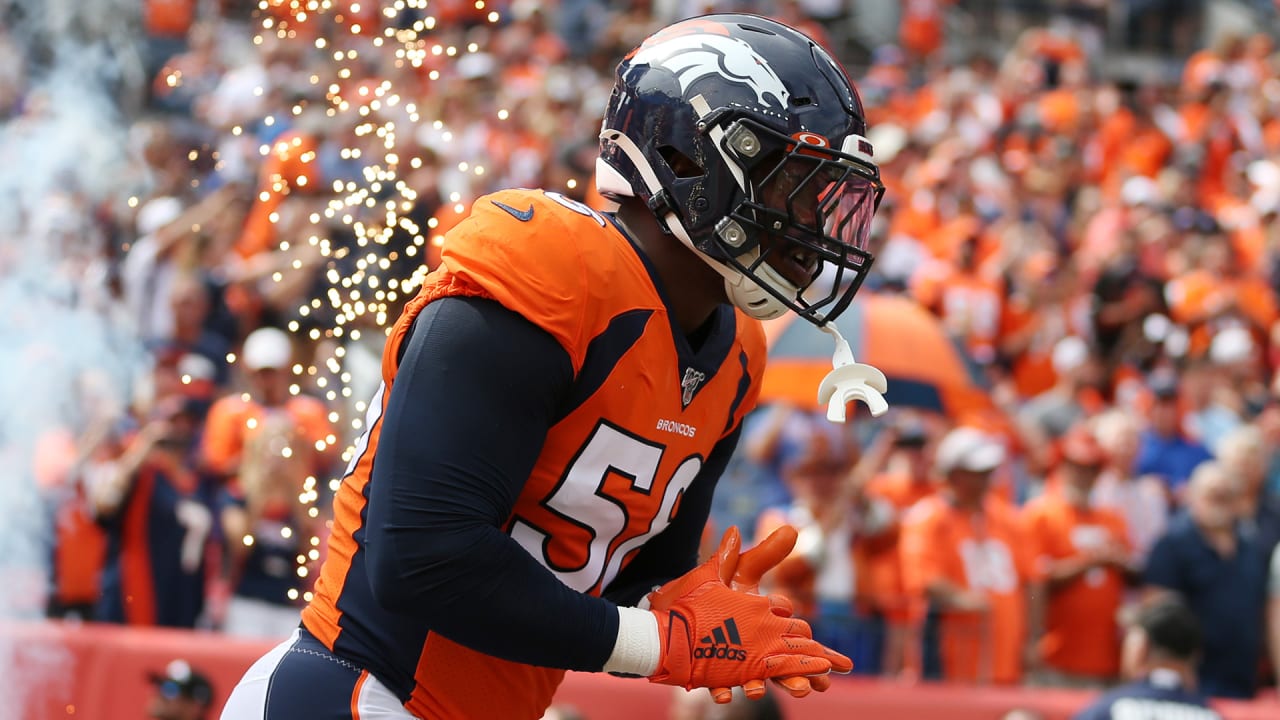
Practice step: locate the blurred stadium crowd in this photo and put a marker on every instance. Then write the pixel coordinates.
(1104, 249)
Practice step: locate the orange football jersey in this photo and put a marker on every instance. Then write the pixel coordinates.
(1081, 636)
(645, 414)
(983, 552)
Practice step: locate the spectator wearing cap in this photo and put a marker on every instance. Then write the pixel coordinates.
(1164, 449)
(1082, 561)
(963, 554)
(1221, 574)
(182, 693)
(270, 447)
(1239, 362)
(167, 246)
(147, 271)
(1140, 500)
(1162, 646)
(906, 479)
(149, 500)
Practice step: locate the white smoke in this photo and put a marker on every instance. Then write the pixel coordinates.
(63, 64)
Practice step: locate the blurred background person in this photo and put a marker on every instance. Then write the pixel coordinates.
(157, 520)
(964, 555)
(1164, 449)
(1221, 575)
(181, 693)
(1142, 501)
(1083, 562)
(905, 479)
(272, 448)
(1163, 646)
(830, 511)
(1273, 613)
(1242, 455)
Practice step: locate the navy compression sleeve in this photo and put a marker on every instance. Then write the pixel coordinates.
(477, 389)
(674, 551)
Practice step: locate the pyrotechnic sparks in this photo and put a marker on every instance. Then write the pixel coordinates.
(361, 227)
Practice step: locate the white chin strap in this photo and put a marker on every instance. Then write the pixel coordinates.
(849, 381)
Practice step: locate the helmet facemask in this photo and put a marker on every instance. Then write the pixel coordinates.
(799, 230)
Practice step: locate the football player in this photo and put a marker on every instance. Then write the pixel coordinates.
(562, 395)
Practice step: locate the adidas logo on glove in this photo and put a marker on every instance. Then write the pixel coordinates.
(717, 644)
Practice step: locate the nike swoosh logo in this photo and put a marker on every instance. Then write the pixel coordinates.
(521, 215)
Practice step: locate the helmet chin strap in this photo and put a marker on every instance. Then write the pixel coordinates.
(847, 382)
(742, 290)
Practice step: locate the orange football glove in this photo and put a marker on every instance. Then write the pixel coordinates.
(752, 565)
(714, 636)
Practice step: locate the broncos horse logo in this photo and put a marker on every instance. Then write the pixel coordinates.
(695, 56)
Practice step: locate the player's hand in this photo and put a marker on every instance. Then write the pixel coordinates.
(716, 637)
(752, 566)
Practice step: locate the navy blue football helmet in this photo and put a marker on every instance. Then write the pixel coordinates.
(746, 139)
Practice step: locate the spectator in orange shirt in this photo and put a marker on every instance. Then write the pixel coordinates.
(233, 419)
(1083, 561)
(964, 554)
(271, 448)
(1219, 292)
(968, 299)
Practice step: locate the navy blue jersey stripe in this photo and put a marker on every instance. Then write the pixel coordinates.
(744, 385)
(603, 354)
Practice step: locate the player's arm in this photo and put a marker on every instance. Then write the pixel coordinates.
(674, 551)
(477, 389)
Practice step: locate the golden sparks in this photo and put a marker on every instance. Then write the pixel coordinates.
(360, 226)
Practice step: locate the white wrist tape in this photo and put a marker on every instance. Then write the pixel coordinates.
(637, 650)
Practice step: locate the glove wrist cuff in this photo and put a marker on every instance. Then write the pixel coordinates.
(638, 649)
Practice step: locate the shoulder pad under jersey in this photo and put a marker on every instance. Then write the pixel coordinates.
(525, 249)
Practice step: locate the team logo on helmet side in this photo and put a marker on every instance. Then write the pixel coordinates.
(693, 57)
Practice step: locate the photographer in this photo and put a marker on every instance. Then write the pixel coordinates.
(156, 523)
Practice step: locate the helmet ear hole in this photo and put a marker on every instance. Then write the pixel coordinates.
(682, 165)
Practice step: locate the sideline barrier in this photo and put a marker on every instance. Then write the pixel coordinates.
(99, 672)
